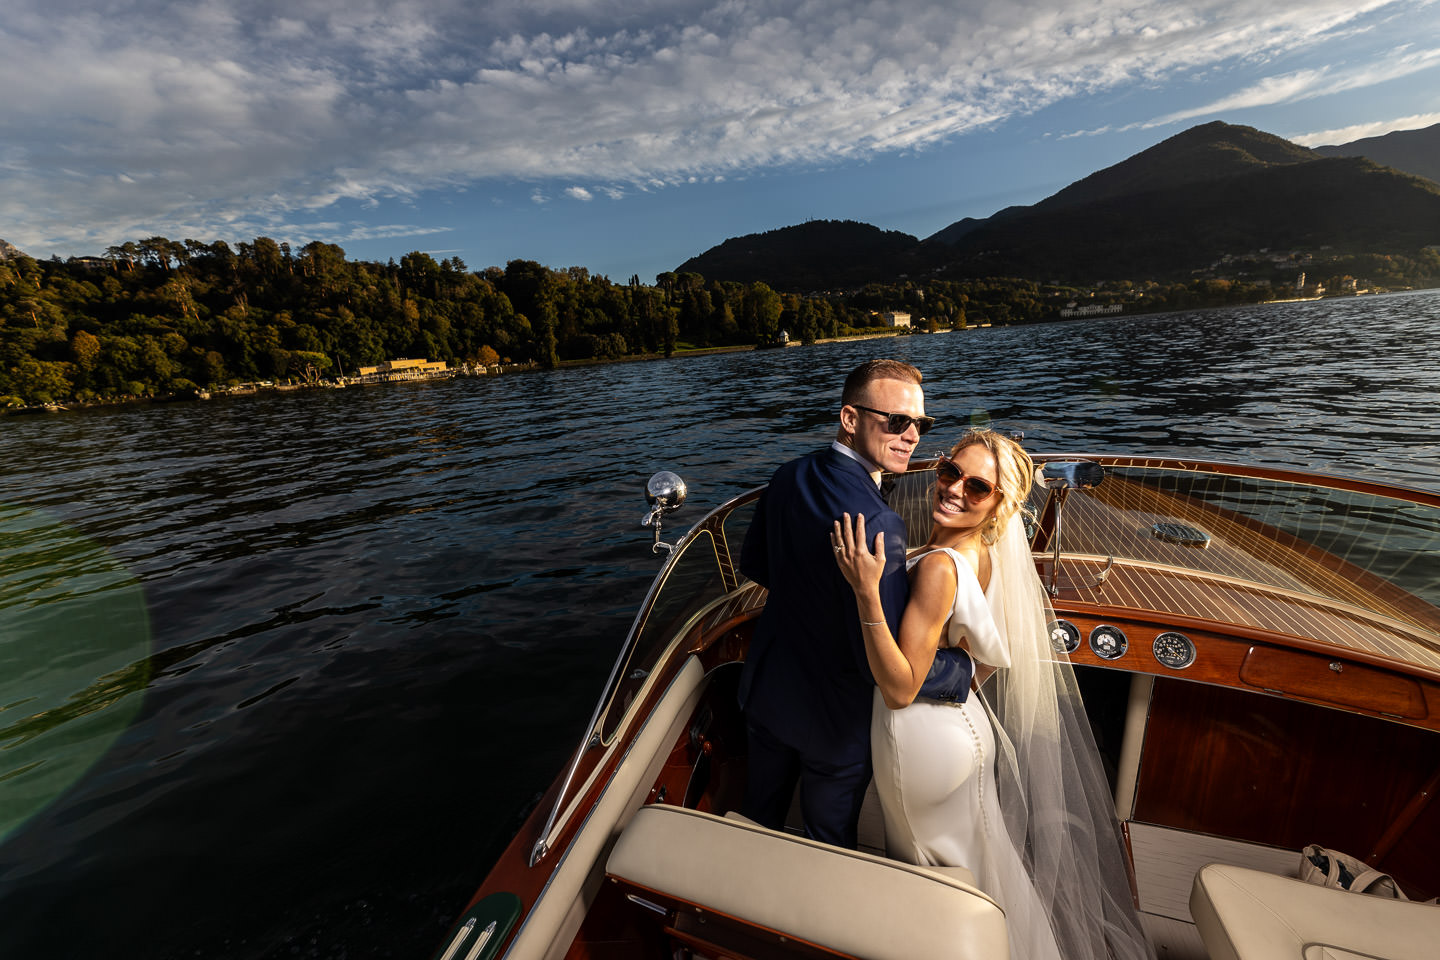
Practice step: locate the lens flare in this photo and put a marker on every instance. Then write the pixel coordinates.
(74, 658)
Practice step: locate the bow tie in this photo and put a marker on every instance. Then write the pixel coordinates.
(886, 485)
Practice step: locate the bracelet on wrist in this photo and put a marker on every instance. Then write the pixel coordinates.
(871, 623)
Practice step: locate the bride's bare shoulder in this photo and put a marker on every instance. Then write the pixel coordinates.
(975, 562)
(936, 565)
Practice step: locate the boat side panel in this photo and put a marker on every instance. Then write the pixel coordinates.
(556, 915)
(722, 639)
(1269, 770)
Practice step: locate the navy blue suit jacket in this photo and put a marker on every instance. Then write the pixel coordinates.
(806, 679)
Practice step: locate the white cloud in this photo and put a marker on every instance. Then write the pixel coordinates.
(1360, 131)
(359, 231)
(1312, 84)
(184, 118)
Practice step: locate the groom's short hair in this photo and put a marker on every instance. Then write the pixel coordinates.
(872, 370)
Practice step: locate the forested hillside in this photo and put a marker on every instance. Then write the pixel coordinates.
(162, 316)
(818, 255)
(1413, 151)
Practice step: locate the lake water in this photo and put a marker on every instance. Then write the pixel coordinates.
(279, 675)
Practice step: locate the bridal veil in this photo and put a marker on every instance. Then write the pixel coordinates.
(1053, 792)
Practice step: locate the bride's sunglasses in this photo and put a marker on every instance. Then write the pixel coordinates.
(976, 490)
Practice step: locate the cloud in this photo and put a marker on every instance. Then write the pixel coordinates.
(1360, 131)
(362, 231)
(203, 118)
(1312, 84)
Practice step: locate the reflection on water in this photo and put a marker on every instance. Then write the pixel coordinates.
(379, 617)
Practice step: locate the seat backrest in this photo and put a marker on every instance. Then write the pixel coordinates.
(844, 901)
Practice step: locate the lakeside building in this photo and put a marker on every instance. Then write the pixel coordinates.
(1090, 309)
(405, 369)
(895, 318)
(396, 366)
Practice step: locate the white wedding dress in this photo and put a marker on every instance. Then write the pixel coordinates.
(1010, 783)
(935, 772)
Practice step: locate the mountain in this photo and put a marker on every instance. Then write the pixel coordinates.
(8, 251)
(1186, 202)
(815, 255)
(1413, 151)
(1205, 154)
(1161, 214)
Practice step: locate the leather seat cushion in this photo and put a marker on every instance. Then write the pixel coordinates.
(1244, 914)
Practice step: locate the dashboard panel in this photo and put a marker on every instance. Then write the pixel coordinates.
(1208, 652)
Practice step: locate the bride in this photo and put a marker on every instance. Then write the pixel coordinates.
(1008, 784)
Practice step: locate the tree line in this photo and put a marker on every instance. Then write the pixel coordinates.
(160, 316)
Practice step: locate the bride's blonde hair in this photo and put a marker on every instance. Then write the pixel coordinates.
(1015, 473)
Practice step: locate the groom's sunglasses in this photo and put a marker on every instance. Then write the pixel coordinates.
(900, 422)
(976, 490)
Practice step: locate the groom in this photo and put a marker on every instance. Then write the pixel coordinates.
(806, 686)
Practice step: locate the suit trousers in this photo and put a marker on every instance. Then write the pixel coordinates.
(830, 795)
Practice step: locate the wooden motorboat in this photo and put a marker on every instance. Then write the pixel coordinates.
(1259, 651)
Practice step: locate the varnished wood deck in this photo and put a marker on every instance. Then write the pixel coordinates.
(1250, 575)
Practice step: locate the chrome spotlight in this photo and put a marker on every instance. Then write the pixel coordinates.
(665, 492)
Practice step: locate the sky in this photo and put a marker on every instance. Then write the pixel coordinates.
(626, 136)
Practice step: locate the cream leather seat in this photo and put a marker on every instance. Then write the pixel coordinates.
(850, 902)
(1246, 914)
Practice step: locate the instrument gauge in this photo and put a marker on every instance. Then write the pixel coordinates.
(1108, 642)
(1174, 650)
(1064, 636)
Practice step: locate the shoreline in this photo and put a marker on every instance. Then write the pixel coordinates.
(463, 370)
(258, 389)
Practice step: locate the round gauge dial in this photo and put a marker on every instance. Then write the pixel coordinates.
(1108, 642)
(1064, 636)
(1174, 650)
